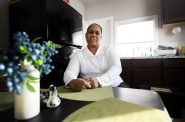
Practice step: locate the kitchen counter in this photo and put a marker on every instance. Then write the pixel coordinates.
(153, 57)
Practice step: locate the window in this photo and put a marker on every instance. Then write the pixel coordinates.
(136, 37)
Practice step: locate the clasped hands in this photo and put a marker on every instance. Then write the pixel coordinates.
(83, 83)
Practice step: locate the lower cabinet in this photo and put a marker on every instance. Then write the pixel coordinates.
(126, 72)
(145, 78)
(161, 73)
(145, 73)
(174, 73)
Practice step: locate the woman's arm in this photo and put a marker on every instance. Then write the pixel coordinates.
(111, 76)
(72, 70)
(71, 74)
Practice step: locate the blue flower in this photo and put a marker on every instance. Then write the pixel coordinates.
(2, 66)
(26, 53)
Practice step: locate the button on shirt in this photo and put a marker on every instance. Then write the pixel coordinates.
(104, 65)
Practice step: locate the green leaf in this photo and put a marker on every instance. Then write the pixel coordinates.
(30, 87)
(57, 46)
(48, 44)
(29, 77)
(31, 81)
(26, 62)
(39, 62)
(21, 83)
(37, 38)
(22, 49)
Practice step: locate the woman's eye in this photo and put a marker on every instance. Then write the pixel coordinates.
(94, 32)
(91, 32)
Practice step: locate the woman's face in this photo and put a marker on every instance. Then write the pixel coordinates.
(93, 36)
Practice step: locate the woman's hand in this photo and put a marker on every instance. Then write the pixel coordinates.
(79, 84)
(92, 81)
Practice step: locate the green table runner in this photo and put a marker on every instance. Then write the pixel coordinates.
(115, 110)
(6, 100)
(87, 94)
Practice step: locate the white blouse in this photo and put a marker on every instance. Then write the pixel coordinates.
(104, 65)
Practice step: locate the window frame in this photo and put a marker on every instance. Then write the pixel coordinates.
(135, 20)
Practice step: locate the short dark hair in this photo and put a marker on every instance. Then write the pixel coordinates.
(95, 24)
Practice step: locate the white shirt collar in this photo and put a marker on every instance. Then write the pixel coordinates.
(98, 52)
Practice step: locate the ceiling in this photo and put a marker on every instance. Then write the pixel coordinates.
(88, 2)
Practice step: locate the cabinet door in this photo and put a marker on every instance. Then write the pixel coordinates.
(146, 77)
(174, 73)
(146, 73)
(125, 74)
(173, 11)
(27, 15)
(174, 77)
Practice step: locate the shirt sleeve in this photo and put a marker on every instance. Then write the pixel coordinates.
(114, 69)
(72, 70)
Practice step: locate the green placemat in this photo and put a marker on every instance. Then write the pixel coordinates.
(115, 110)
(6, 100)
(87, 94)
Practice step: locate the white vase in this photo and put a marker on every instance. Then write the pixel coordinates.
(27, 104)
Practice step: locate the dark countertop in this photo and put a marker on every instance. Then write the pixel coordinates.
(154, 57)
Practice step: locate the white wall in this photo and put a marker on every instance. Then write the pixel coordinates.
(122, 9)
(77, 5)
(129, 9)
(167, 38)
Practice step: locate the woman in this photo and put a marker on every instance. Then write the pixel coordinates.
(95, 65)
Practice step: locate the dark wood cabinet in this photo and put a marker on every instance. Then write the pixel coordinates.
(173, 11)
(174, 73)
(53, 20)
(143, 73)
(126, 74)
(162, 73)
(146, 77)
(146, 73)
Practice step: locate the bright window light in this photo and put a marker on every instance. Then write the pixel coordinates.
(136, 32)
(136, 38)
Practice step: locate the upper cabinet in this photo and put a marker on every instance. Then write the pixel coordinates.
(173, 11)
